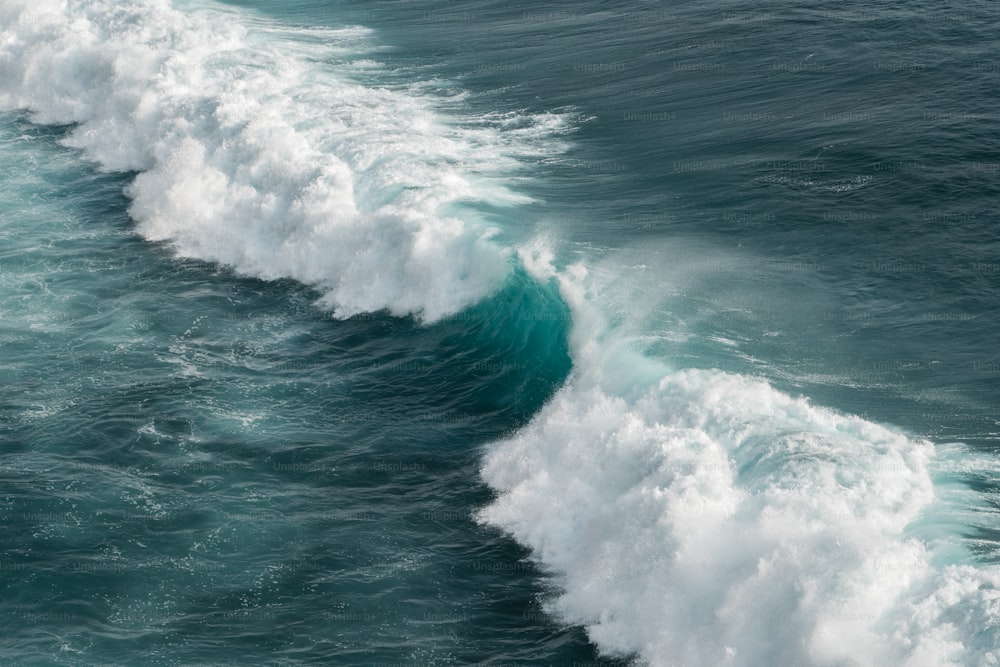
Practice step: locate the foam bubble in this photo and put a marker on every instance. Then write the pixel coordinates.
(697, 517)
(255, 152)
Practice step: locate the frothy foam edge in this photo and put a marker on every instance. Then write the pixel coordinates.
(253, 151)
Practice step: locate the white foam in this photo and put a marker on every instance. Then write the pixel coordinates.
(703, 518)
(255, 153)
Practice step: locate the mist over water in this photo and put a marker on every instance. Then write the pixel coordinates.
(493, 334)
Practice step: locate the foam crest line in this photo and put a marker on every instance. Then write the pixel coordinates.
(698, 517)
(253, 151)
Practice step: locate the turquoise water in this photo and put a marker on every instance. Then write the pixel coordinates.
(343, 333)
(190, 456)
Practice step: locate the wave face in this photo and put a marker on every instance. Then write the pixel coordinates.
(698, 517)
(253, 154)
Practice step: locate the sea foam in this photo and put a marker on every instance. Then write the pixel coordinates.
(256, 147)
(697, 517)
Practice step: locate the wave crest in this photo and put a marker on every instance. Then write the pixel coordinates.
(257, 149)
(698, 517)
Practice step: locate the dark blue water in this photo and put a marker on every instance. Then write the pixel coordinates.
(499, 334)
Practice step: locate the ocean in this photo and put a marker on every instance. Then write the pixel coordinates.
(454, 333)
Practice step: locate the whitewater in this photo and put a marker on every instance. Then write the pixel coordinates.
(684, 516)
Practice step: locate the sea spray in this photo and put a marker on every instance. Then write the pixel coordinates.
(681, 516)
